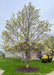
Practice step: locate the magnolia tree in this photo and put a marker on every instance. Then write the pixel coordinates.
(23, 32)
(50, 44)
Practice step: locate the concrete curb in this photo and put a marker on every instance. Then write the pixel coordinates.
(1, 71)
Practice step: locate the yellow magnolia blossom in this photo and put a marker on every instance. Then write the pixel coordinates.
(30, 44)
(35, 46)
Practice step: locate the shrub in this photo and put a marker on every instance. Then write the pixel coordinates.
(46, 58)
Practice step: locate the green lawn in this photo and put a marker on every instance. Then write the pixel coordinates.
(9, 66)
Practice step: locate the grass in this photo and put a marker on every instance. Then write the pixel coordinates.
(9, 66)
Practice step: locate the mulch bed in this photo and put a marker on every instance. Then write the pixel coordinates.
(24, 69)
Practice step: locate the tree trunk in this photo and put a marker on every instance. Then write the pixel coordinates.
(27, 65)
(22, 55)
(27, 59)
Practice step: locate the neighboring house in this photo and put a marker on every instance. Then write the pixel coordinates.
(14, 54)
(33, 55)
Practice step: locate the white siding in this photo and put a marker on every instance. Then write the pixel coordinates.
(13, 55)
(0, 54)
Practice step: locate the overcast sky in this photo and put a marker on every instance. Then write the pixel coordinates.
(7, 7)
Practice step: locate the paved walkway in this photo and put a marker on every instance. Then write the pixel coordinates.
(53, 58)
(1, 71)
(51, 73)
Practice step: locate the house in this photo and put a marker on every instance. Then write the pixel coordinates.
(36, 54)
(9, 54)
(33, 55)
